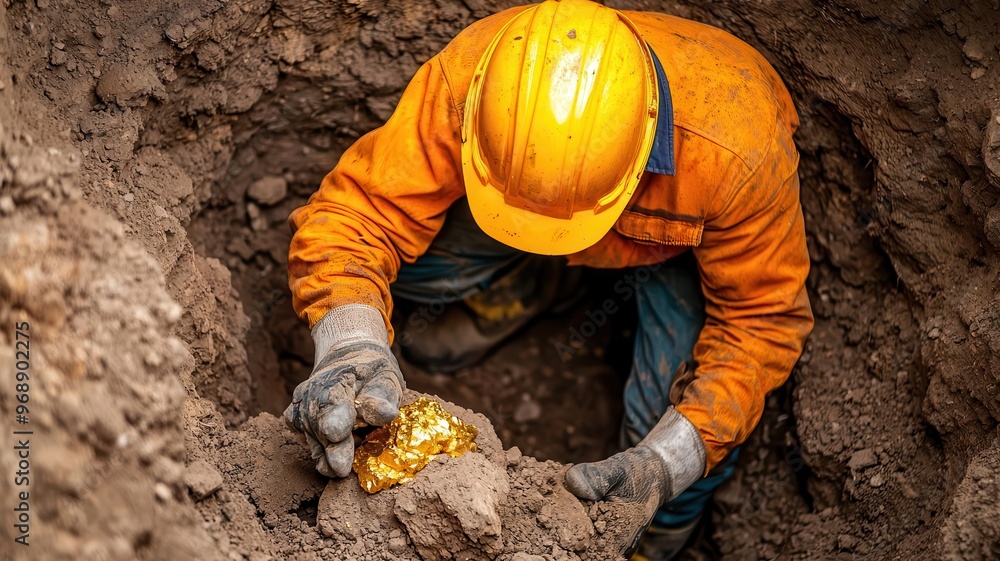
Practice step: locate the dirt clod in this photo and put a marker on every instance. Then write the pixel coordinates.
(202, 479)
(268, 191)
(482, 505)
(451, 511)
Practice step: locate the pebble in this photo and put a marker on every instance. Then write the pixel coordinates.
(58, 58)
(397, 545)
(202, 479)
(163, 492)
(268, 191)
(258, 221)
(973, 49)
(513, 456)
(862, 459)
(7, 205)
(528, 410)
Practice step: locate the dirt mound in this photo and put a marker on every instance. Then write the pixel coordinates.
(487, 505)
(150, 153)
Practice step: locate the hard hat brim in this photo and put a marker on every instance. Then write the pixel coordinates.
(533, 232)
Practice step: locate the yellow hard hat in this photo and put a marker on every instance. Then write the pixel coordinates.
(559, 124)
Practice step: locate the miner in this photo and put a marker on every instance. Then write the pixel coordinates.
(542, 139)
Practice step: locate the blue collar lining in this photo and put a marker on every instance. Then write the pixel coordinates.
(661, 157)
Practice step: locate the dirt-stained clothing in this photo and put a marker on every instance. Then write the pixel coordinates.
(733, 200)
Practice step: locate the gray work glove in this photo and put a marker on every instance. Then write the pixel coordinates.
(665, 463)
(355, 375)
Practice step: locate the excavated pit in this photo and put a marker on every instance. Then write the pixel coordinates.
(150, 153)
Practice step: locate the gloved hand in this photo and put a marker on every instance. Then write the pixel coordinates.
(665, 463)
(355, 376)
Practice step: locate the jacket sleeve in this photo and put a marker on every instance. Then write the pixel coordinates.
(381, 205)
(753, 263)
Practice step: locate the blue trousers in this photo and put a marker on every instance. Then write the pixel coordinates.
(463, 261)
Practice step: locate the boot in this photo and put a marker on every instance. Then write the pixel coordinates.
(466, 332)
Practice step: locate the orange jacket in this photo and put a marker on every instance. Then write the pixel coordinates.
(734, 200)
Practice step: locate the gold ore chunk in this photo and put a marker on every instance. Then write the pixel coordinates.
(396, 452)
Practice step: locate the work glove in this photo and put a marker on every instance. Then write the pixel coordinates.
(665, 463)
(355, 377)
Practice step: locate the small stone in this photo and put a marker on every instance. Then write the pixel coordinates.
(175, 33)
(513, 456)
(528, 410)
(58, 58)
(202, 479)
(129, 197)
(397, 545)
(974, 49)
(877, 480)
(977, 73)
(862, 459)
(153, 359)
(163, 492)
(934, 333)
(129, 84)
(7, 205)
(257, 220)
(268, 191)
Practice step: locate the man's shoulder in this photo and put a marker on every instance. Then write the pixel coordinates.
(722, 89)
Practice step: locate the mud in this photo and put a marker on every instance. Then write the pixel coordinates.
(150, 153)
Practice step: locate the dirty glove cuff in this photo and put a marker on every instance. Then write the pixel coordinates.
(347, 326)
(676, 441)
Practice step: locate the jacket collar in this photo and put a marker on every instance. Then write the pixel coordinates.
(661, 157)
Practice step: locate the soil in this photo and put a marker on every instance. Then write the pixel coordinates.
(150, 153)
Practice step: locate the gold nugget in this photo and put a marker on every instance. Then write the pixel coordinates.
(396, 452)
